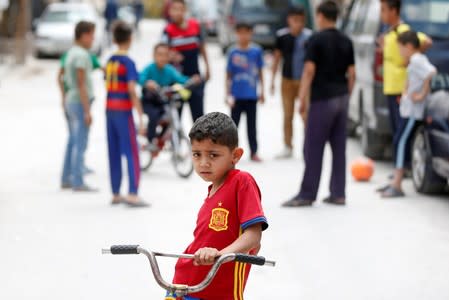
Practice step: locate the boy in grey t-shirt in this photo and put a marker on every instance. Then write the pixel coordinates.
(78, 67)
(419, 75)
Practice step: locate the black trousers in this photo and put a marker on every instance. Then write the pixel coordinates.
(196, 102)
(248, 106)
(154, 113)
(326, 123)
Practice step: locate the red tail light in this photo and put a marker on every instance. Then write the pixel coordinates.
(378, 66)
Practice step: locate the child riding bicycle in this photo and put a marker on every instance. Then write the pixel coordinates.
(231, 218)
(156, 75)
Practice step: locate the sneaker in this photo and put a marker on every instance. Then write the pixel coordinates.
(136, 204)
(85, 188)
(256, 158)
(88, 171)
(285, 154)
(66, 186)
(151, 147)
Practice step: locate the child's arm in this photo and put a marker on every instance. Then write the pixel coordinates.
(60, 80)
(249, 240)
(262, 87)
(136, 103)
(206, 60)
(84, 96)
(276, 61)
(420, 96)
(228, 97)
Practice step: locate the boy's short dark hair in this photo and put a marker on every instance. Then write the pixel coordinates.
(393, 4)
(82, 28)
(161, 45)
(329, 9)
(409, 37)
(296, 10)
(218, 127)
(121, 32)
(243, 25)
(183, 2)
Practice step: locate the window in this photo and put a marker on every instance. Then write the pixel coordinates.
(428, 16)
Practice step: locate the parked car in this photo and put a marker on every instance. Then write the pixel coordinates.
(430, 148)
(368, 107)
(206, 12)
(266, 17)
(54, 30)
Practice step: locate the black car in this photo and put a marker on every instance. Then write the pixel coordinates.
(430, 148)
(266, 17)
(368, 113)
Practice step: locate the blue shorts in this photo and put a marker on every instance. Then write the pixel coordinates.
(173, 296)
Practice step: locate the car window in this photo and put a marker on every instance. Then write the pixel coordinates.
(372, 22)
(262, 4)
(63, 16)
(353, 14)
(428, 16)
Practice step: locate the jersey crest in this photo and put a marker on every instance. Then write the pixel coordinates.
(219, 219)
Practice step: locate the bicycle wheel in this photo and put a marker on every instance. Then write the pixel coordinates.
(181, 154)
(145, 156)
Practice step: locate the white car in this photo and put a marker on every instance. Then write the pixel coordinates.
(55, 30)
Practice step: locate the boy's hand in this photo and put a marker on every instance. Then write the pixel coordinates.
(152, 85)
(205, 256)
(88, 119)
(195, 79)
(230, 101)
(272, 88)
(262, 99)
(416, 97)
(142, 129)
(302, 106)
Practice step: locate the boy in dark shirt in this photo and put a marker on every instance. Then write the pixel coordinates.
(329, 74)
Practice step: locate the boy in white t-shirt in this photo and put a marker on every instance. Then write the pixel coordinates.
(419, 75)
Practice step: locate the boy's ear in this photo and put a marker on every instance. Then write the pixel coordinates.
(237, 153)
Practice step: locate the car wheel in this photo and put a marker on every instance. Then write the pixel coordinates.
(424, 177)
(373, 144)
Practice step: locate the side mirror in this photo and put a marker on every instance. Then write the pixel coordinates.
(34, 24)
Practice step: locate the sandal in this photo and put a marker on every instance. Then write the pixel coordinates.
(392, 192)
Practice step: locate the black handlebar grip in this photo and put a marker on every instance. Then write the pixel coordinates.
(124, 249)
(250, 259)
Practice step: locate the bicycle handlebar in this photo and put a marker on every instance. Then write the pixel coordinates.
(182, 289)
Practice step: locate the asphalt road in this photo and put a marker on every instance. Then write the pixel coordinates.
(51, 240)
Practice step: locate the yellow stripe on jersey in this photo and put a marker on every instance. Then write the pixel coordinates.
(236, 279)
(242, 281)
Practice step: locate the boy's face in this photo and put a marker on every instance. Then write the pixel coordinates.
(161, 56)
(87, 39)
(387, 14)
(406, 50)
(177, 12)
(213, 161)
(244, 36)
(296, 23)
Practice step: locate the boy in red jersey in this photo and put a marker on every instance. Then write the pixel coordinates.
(231, 219)
(187, 43)
(121, 78)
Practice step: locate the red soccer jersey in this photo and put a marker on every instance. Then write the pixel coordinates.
(221, 220)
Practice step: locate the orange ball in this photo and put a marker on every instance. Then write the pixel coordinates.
(362, 169)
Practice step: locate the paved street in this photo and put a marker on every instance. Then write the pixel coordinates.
(51, 240)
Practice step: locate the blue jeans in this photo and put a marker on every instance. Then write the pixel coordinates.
(72, 172)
